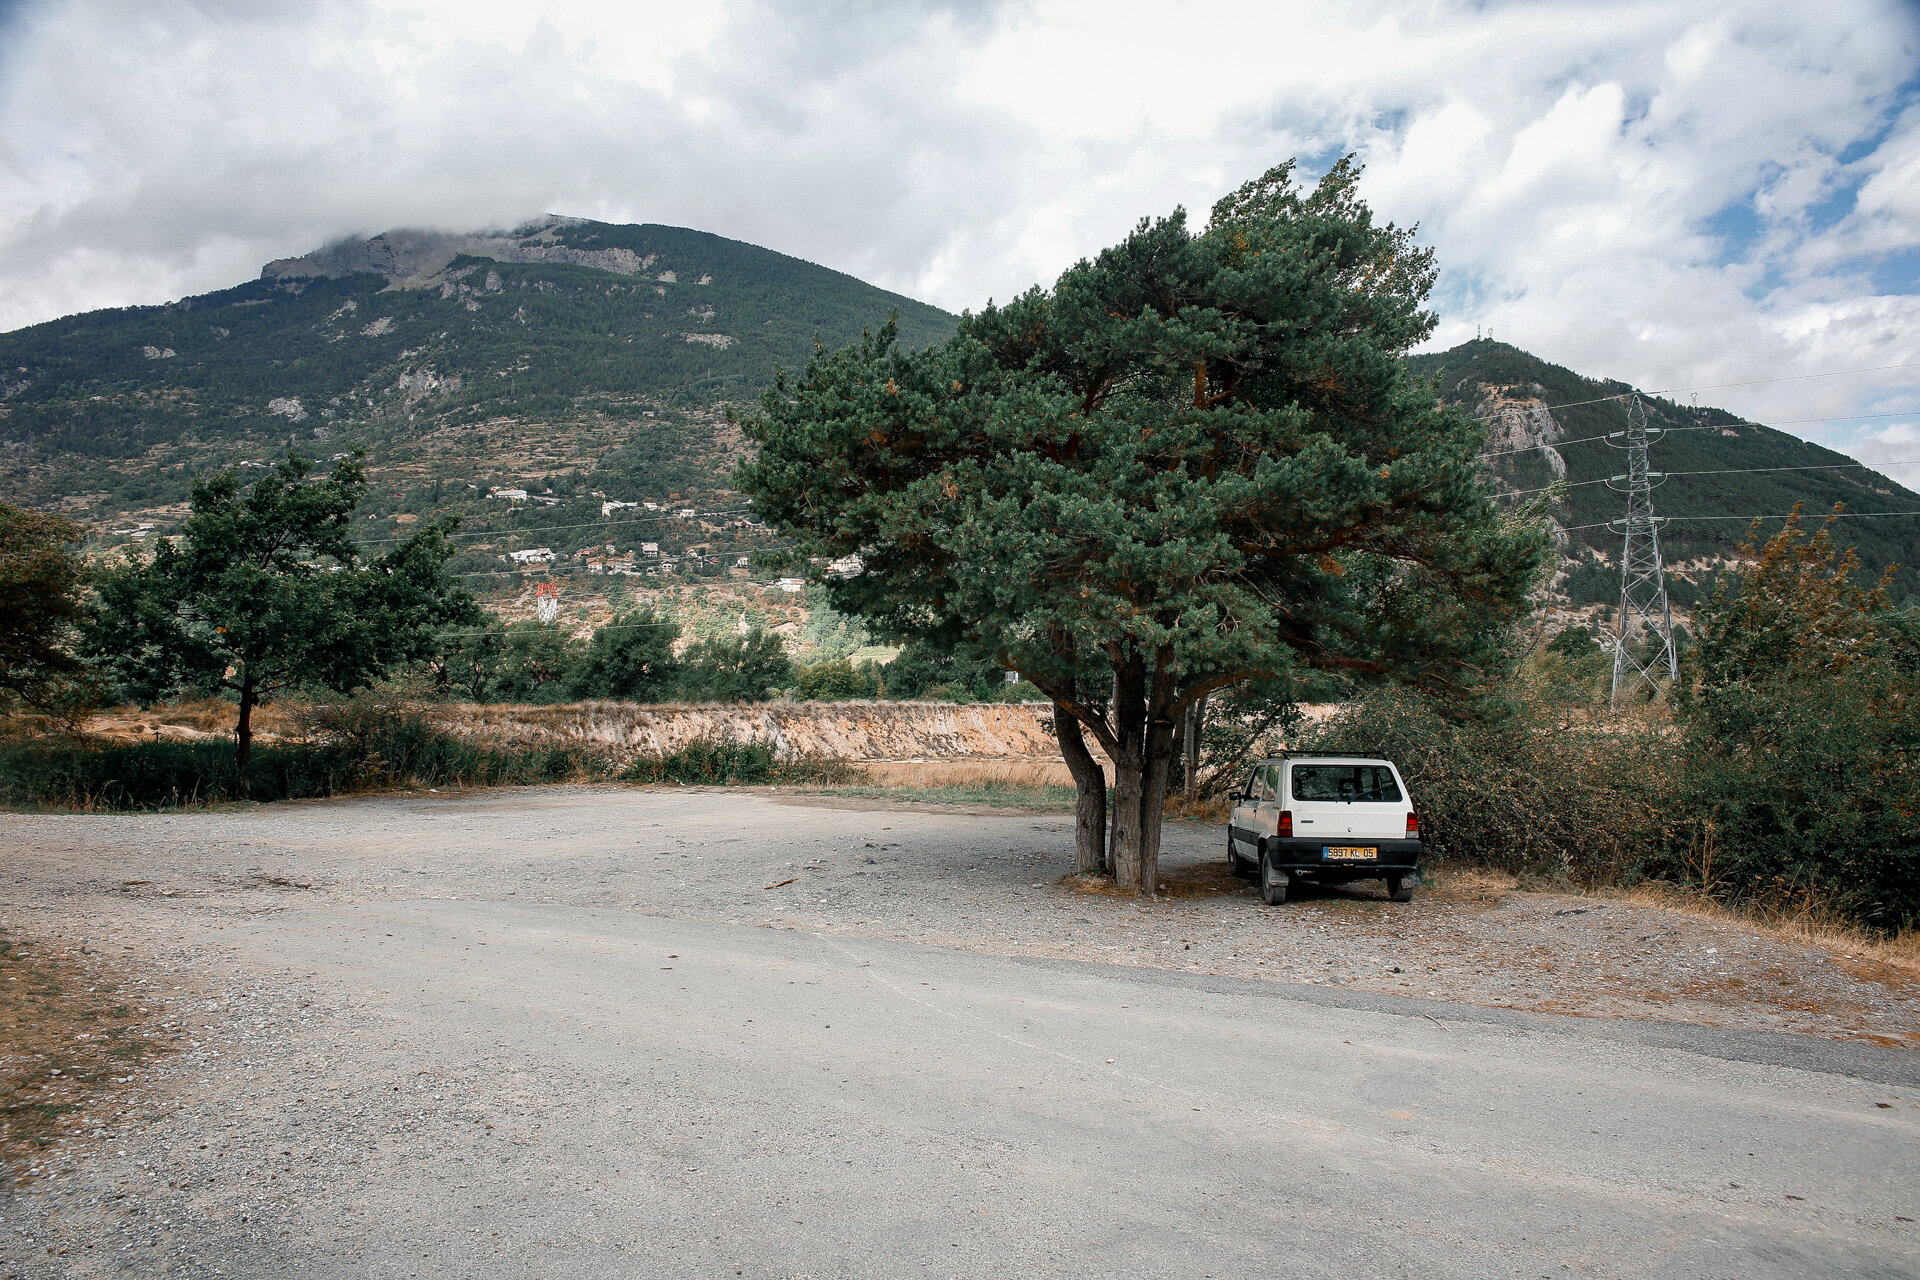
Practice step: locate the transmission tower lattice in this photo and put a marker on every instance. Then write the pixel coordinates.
(1644, 609)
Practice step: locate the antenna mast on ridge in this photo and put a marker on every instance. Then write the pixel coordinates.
(1643, 575)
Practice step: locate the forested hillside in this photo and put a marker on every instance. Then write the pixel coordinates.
(589, 365)
(1716, 466)
(597, 361)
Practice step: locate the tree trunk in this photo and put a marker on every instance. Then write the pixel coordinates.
(1090, 788)
(1129, 728)
(1156, 773)
(243, 737)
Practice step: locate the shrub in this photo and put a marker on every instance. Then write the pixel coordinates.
(835, 681)
(713, 762)
(351, 748)
(1527, 788)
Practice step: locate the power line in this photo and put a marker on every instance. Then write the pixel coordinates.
(1831, 515)
(1730, 471)
(1708, 426)
(1750, 382)
(629, 626)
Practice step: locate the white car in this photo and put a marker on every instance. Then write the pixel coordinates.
(1329, 819)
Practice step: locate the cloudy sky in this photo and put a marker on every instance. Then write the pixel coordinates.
(1684, 195)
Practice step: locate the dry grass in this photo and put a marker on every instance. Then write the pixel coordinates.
(67, 1036)
(923, 774)
(1200, 809)
(1895, 958)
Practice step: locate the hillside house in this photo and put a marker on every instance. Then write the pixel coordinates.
(650, 549)
(791, 585)
(533, 555)
(511, 495)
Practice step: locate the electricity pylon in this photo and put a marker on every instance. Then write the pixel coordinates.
(1643, 575)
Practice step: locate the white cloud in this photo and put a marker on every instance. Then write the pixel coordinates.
(1676, 194)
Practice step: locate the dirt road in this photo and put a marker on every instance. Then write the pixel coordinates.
(565, 1033)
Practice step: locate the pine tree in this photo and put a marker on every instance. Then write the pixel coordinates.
(1198, 460)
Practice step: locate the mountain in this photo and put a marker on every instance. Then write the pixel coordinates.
(1717, 465)
(565, 354)
(589, 364)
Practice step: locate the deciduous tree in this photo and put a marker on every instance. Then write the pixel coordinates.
(40, 602)
(265, 589)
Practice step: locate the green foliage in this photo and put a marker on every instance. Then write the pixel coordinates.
(1523, 786)
(630, 659)
(536, 664)
(1802, 705)
(745, 668)
(835, 681)
(1574, 642)
(353, 748)
(40, 603)
(1787, 781)
(829, 633)
(266, 591)
(546, 341)
(1199, 460)
(1698, 439)
(925, 670)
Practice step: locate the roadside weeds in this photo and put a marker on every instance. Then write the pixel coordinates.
(70, 1029)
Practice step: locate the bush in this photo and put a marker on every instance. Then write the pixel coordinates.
(348, 749)
(835, 682)
(1527, 788)
(716, 763)
(735, 668)
(1783, 779)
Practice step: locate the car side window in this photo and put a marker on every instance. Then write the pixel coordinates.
(1257, 788)
(1273, 781)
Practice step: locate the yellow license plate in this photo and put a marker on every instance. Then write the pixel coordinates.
(1352, 852)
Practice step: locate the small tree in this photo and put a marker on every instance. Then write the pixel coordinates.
(266, 590)
(536, 661)
(1199, 460)
(835, 681)
(735, 668)
(629, 658)
(40, 604)
(1802, 705)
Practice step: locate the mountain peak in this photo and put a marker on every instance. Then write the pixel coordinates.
(411, 257)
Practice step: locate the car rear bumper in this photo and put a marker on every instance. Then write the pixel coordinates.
(1309, 857)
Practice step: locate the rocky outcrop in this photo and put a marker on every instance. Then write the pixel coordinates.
(1519, 424)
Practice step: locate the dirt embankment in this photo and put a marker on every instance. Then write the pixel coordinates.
(853, 731)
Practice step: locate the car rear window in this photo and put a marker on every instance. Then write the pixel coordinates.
(1361, 782)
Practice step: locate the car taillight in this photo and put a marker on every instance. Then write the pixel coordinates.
(1285, 826)
(1413, 825)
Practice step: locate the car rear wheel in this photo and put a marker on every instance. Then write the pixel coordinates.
(1273, 884)
(1235, 863)
(1400, 888)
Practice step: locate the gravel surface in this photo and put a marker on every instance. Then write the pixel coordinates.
(292, 956)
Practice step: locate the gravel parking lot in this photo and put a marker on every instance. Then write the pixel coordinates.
(614, 1031)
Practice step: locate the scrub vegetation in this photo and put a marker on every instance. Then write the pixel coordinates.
(1778, 775)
